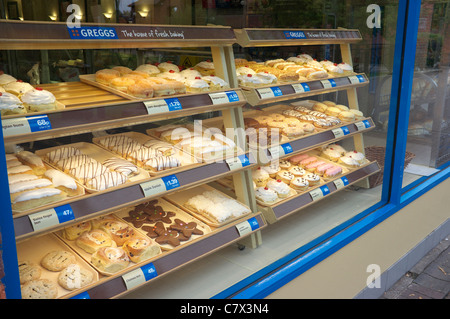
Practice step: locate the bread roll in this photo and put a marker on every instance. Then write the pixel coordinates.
(140, 248)
(75, 231)
(92, 240)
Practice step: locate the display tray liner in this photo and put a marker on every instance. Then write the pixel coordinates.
(179, 214)
(87, 256)
(187, 160)
(213, 157)
(81, 191)
(97, 153)
(180, 198)
(90, 79)
(34, 250)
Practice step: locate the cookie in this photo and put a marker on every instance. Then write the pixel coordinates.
(169, 236)
(39, 289)
(151, 230)
(157, 214)
(28, 271)
(74, 277)
(187, 229)
(137, 217)
(57, 260)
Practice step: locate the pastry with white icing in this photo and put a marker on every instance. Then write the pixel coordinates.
(36, 198)
(266, 195)
(11, 104)
(161, 163)
(39, 100)
(281, 188)
(32, 160)
(106, 180)
(121, 166)
(64, 182)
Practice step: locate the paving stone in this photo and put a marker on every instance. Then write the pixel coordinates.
(422, 290)
(430, 282)
(411, 294)
(439, 269)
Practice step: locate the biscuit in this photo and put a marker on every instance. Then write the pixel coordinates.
(57, 260)
(74, 277)
(28, 271)
(39, 289)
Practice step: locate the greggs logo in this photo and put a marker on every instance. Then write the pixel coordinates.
(92, 33)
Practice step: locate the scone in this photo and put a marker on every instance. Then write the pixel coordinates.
(28, 271)
(57, 260)
(74, 277)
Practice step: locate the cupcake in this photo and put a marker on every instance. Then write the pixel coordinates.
(260, 177)
(266, 195)
(11, 104)
(299, 184)
(281, 188)
(39, 100)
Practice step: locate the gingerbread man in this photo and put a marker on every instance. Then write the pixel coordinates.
(187, 229)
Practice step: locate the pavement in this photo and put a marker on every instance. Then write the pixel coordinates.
(428, 279)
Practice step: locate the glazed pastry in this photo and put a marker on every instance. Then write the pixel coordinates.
(121, 166)
(299, 183)
(272, 169)
(88, 171)
(332, 171)
(332, 111)
(320, 107)
(17, 189)
(346, 68)
(285, 164)
(342, 107)
(160, 147)
(313, 166)
(106, 180)
(141, 90)
(167, 66)
(151, 70)
(190, 73)
(337, 147)
(205, 67)
(295, 160)
(196, 85)
(19, 169)
(266, 195)
(111, 141)
(297, 171)
(122, 83)
(216, 83)
(110, 259)
(11, 104)
(160, 163)
(171, 75)
(126, 148)
(69, 163)
(281, 188)
(304, 162)
(329, 103)
(36, 198)
(39, 100)
(63, 182)
(17, 178)
(285, 176)
(94, 239)
(119, 231)
(105, 76)
(122, 70)
(61, 152)
(32, 160)
(321, 169)
(357, 113)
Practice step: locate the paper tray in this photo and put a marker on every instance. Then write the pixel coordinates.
(87, 256)
(187, 160)
(179, 214)
(180, 198)
(34, 250)
(98, 154)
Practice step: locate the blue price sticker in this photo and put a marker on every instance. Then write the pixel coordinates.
(171, 182)
(244, 160)
(39, 123)
(306, 87)
(332, 82)
(366, 123)
(287, 148)
(232, 96)
(253, 223)
(325, 190)
(149, 271)
(345, 180)
(345, 130)
(276, 91)
(361, 78)
(173, 104)
(64, 213)
(83, 295)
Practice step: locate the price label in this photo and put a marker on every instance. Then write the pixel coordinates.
(51, 217)
(25, 125)
(267, 93)
(362, 125)
(356, 79)
(301, 87)
(237, 162)
(340, 131)
(160, 185)
(247, 226)
(341, 182)
(163, 105)
(139, 276)
(320, 192)
(328, 84)
(224, 97)
(280, 150)
(83, 295)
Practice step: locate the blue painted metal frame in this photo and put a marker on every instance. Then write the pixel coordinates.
(393, 197)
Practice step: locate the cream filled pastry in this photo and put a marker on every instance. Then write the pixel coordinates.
(11, 104)
(106, 180)
(121, 166)
(39, 100)
(160, 163)
(6, 79)
(63, 182)
(18, 88)
(62, 152)
(150, 69)
(215, 82)
(281, 188)
(196, 85)
(266, 195)
(168, 66)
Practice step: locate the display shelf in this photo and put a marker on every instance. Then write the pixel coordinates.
(329, 136)
(81, 208)
(89, 108)
(289, 91)
(114, 286)
(38, 35)
(250, 37)
(293, 204)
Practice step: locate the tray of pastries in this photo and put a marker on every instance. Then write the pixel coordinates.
(150, 154)
(109, 244)
(299, 68)
(35, 185)
(18, 98)
(156, 80)
(92, 166)
(209, 205)
(205, 144)
(168, 225)
(49, 269)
